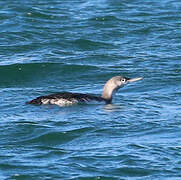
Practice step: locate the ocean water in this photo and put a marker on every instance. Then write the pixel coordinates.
(49, 46)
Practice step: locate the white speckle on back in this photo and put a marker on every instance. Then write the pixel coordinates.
(60, 101)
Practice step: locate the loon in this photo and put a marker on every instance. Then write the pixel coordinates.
(69, 98)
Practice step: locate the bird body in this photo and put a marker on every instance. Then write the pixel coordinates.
(68, 98)
(65, 98)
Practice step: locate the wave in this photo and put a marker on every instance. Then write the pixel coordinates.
(19, 74)
(53, 138)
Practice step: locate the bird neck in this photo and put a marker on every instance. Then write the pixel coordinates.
(107, 95)
(108, 91)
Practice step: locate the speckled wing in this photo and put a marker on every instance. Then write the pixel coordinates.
(64, 98)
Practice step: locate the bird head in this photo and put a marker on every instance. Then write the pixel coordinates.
(115, 83)
(120, 81)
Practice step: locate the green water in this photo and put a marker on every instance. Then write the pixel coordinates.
(52, 46)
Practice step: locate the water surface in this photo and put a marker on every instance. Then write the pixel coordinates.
(52, 46)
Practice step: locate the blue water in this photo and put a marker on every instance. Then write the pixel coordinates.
(52, 46)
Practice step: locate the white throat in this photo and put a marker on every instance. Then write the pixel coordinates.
(110, 89)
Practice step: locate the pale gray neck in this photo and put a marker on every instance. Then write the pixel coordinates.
(109, 89)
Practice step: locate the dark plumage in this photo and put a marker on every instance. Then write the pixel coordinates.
(68, 96)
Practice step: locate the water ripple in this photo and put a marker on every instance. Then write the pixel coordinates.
(52, 46)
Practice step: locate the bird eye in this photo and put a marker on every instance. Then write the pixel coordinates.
(123, 80)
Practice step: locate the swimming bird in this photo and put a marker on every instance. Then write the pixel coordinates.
(69, 98)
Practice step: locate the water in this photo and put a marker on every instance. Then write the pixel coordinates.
(50, 46)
